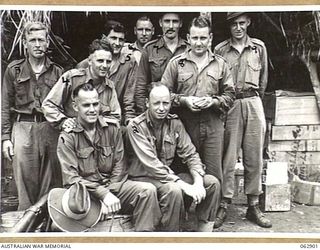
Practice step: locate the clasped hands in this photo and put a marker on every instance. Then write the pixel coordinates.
(197, 104)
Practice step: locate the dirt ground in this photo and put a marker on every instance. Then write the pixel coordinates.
(300, 219)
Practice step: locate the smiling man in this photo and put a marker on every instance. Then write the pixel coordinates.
(245, 123)
(57, 106)
(156, 56)
(156, 136)
(91, 153)
(203, 92)
(27, 138)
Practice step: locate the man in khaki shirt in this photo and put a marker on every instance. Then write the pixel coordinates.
(156, 136)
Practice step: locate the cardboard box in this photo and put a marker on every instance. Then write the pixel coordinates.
(295, 145)
(306, 192)
(275, 197)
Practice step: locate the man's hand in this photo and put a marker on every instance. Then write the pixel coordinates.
(112, 203)
(206, 102)
(7, 149)
(189, 102)
(69, 124)
(197, 192)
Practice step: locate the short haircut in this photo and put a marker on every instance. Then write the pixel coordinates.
(144, 18)
(99, 44)
(176, 13)
(200, 22)
(86, 87)
(156, 84)
(34, 26)
(115, 26)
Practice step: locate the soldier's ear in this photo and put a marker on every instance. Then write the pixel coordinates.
(249, 21)
(188, 38)
(135, 30)
(147, 103)
(75, 106)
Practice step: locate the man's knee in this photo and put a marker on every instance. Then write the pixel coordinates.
(211, 182)
(173, 190)
(148, 189)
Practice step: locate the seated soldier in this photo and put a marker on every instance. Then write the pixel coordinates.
(156, 136)
(92, 154)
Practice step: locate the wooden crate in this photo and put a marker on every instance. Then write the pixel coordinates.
(306, 192)
(288, 133)
(295, 145)
(275, 197)
(294, 158)
(310, 172)
(296, 110)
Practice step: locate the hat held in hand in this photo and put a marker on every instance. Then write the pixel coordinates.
(73, 210)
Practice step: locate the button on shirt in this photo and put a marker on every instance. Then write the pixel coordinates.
(153, 62)
(250, 68)
(154, 154)
(183, 79)
(98, 163)
(22, 92)
(58, 104)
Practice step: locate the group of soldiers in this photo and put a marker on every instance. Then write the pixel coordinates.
(103, 130)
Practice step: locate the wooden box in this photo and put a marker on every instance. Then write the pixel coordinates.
(275, 197)
(306, 192)
(296, 110)
(289, 133)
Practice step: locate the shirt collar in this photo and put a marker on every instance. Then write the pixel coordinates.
(248, 43)
(102, 86)
(161, 43)
(186, 55)
(26, 69)
(100, 122)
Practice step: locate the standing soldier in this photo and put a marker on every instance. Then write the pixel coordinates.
(144, 31)
(27, 138)
(203, 91)
(156, 56)
(122, 69)
(245, 124)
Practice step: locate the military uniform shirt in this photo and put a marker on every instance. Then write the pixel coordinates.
(23, 93)
(250, 68)
(152, 162)
(58, 104)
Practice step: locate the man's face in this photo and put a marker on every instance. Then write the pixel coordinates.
(36, 43)
(144, 31)
(87, 105)
(159, 103)
(239, 26)
(199, 39)
(170, 24)
(99, 63)
(116, 40)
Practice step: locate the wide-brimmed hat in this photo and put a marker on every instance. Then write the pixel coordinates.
(232, 15)
(73, 209)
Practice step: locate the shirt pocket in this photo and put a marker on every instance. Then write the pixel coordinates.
(212, 83)
(86, 163)
(23, 92)
(106, 159)
(170, 148)
(157, 66)
(253, 71)
(185, 81)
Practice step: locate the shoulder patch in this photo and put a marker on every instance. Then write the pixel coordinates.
(16, 62)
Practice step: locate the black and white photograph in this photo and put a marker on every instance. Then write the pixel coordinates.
(185, 120)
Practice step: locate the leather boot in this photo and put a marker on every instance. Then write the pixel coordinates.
(221, 217)
(255, 215)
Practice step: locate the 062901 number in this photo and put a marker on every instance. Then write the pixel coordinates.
(309, 246)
